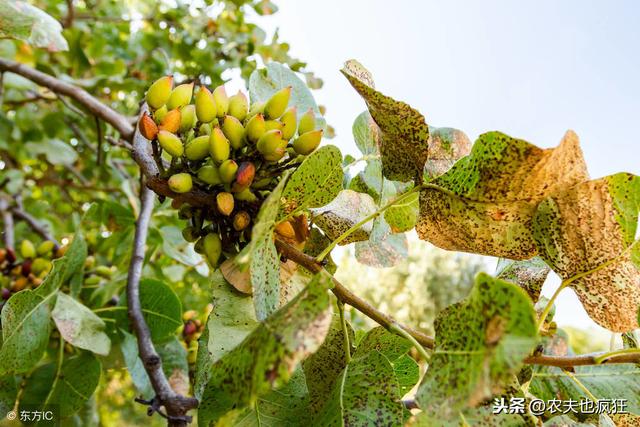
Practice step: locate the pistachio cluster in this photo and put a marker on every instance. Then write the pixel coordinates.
(229, 148)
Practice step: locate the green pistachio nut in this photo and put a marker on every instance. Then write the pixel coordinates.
(256, 108)
(277, 104)
(219, 147)
(159, 114)
(289, 123)
(276, 155)
(188, 118)
(40, 265)
(238, 106)
(104, 271)
(45, 248)
(205, 105)
(307, 142)
(190, 234)
(27, 250)
(273, 124)
(225, 203)
(197, 148)
(199, 246)
(269, 142)
(170, 143)
(92, 280)
(212, 248)
(180, 182)
(210, 175)
(185, 212)
(307, 122)
(180, 96)
(228, 170)
(234, 131)
(159, 92)
(222, 101)
(246, 195)
(204, 129)
(255, 128)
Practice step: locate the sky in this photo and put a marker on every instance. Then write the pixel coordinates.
(531, 70)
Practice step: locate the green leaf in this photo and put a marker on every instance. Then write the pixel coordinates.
(19, 20)
(135, 367)
(267, 81)
(161, 309)
(366, 134)
(323, 367)
(480, 345)
(403, 216)
(25, 331)
(8, 393)
(345, 211)
(174, 246)
(79, 326)
(383, 249)
(529, 274)
(66, 267)
(265, 277)
(366, 393)
(485, 203)
(446, 147)
(57, 152)
(316, 182)
(268, 356)
(587, 234)
(403, 131)
(68, 390)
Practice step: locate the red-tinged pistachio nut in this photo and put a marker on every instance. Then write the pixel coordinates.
(147, 126)
(171, 121)
(246, 173)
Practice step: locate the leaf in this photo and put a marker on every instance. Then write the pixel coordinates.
(161, 309)
(20, 20)
(404, 133)
(446, 147)
(608, 381)
(366, 134)
(480, 344)
(135, 367)
(25, 331)
(529, 274)
(366, 393)
(66, 267)
(268, 356)
(265, 277)
(79, 326)
(403, 216)
(345, 211)
(8, 393)
(383, 249)
(230, 321)
(267, 81)
(587, 234)
(67, 391)
(322, 368)
(485, 203)
(57, 152)
(316, 182)
(174, 246)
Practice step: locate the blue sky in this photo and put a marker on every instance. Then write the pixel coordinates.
(532, 70)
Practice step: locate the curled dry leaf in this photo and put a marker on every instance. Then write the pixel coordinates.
(404, 134)
(345, 211)
(587, 234)
(485, 202)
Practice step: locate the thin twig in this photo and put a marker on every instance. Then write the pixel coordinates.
(34, 224)
(176, 404)
(68, 20)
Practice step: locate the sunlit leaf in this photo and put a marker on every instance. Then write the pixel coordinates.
(22, 21)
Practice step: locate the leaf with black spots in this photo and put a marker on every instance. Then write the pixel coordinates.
(529, 274)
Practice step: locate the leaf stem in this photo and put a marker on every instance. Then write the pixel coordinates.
(345, 333)
(398, 330)
(580, 385)
(365, 220)
(549, 305)
(610, 354)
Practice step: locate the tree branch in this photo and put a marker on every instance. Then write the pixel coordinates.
(97, 108)
(176, 405)
(33, 223)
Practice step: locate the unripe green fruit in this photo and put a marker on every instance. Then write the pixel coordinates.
(273, 124)
(255, 128)
(170, 143)
(277, 104)
(180, 96)
(222, 101)
(264, 182)
(210, 175)
(45, 247)
(219, 146)
(212, 247)
(257, 108)
(188, 118)
(89, 262)
(246, 196)
(180, 182)
(276, 155)
(238, 106)
(289, 123)
(307, 142)
(159, 92)
(92, 280)
(160, 113)
(269, 142)
(205, 129)
(190, 234)
(205, 105)
(40, 265)
(307, 122)
(225, 203)
(197, 148)
(241, 220)
(185, 212)
(228, 170)
(234, 131)
(199, 246)
(171, 121)
(104, 271)
(27, 250)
